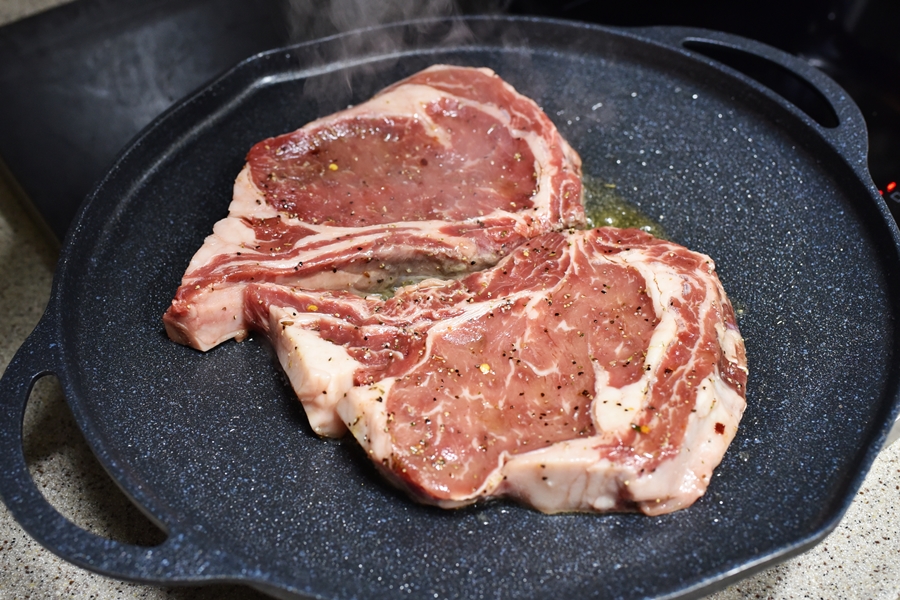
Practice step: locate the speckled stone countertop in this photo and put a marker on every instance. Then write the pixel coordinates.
(860, 559)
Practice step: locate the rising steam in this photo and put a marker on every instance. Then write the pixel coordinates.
(316, 19)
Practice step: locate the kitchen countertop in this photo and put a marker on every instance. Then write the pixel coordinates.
(860, 559)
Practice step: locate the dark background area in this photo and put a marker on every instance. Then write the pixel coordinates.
(79, 81)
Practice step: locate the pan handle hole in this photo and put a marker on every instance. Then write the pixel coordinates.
(72, 480)
(777, 78)
(70, 477)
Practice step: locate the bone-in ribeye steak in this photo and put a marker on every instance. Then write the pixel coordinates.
(594, 370)
(440, 174)
(569, 370)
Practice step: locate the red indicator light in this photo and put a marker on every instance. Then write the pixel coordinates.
(891, 186)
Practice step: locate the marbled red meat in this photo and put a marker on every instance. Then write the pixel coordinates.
(438, 175)
(596, 370)
(570, 370)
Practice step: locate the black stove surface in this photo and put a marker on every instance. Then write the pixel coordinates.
(79, 81)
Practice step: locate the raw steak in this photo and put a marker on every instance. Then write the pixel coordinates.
(441, 174)
(589, 371)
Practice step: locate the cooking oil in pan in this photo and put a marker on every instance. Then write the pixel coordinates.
(604, 207)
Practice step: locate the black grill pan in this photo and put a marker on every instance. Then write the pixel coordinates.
(215, 449)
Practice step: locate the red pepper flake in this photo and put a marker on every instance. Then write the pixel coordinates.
(720, 428)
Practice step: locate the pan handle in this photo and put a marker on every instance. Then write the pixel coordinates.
(177, 560)
(827, 107)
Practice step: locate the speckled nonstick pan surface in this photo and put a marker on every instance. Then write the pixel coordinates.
(215, 448)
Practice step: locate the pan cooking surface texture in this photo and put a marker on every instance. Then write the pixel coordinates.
(216, 447)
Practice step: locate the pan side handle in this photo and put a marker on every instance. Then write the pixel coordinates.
(177, 560)
(823, 103)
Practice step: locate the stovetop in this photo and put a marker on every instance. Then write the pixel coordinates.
(79, 81)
